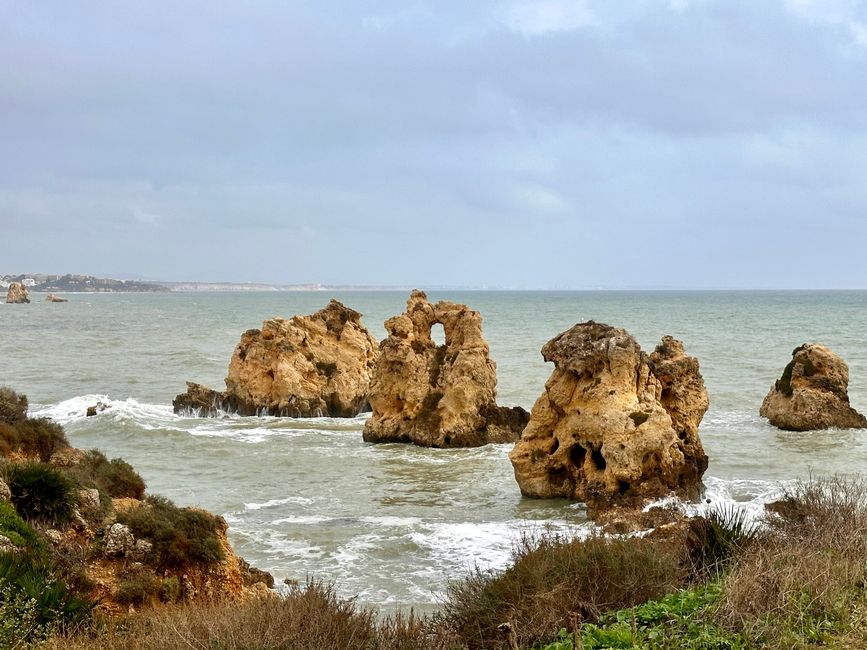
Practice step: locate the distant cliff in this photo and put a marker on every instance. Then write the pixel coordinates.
(78, 283)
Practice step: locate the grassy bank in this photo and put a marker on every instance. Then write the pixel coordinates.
(718, 582)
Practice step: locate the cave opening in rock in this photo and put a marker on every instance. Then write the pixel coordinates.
(577, 454)
(598, 459)
(438, 334)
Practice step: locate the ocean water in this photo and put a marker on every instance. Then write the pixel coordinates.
(394, 523)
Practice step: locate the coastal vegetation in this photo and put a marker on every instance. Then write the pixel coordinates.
(795, 578)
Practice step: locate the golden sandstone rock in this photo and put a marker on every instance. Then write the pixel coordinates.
(438, 396)
(305, 366)
(812, 393)
(17, 294)
(614, 425)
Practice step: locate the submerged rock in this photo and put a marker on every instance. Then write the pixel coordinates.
(306, 366)
(614, 425)
(438, 396)
(812, 393)
(96, 409)
(17, 294)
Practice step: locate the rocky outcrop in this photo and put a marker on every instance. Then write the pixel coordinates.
(52, 298)
(812, 393)
(128, 550)
(306, 366)
(614, 425)
(17, 294)
(438, 396)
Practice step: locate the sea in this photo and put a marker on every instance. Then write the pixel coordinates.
(394, 524)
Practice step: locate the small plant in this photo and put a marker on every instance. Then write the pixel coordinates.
(180, 535)
(40, 492)
(13, 407)
(39, 598)
(638, 417)
(718, 537)
(14, 528)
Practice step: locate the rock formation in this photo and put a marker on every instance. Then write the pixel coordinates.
(437, 396)
(614, 425)
(306, 366)
(52, 298)
(17, 294)
(812, 393)
(139, 551)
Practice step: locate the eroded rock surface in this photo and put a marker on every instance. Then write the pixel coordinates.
(614, 425)
(17, 294)
(812, 393)
(438, 396)
(305, 366)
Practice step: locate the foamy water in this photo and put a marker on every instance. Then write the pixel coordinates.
(394, 523)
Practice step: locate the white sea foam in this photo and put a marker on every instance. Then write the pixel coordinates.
(75, 408)
(271, 503)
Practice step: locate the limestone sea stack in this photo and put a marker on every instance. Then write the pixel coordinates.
(614, 427)
(812, 393)
(305, 366)
(438, 396)
(17, 294)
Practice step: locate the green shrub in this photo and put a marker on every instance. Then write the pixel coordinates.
(32, 436)
(40, 492)
(113, 478)
(180, 535)
(16, 529)
(13, 407)
(137, 586)
(31, 591)
(553, 581)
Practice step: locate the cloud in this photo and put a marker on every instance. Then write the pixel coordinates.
(329, 142)
(540, 17)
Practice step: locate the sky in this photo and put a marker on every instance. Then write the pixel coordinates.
(566, 144)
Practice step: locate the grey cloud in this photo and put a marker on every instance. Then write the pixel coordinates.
(368, 143)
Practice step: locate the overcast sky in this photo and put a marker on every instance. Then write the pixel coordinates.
(555, 143)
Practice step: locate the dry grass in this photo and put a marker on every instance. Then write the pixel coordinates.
(555, 582)
(311, 617)
(805, 581)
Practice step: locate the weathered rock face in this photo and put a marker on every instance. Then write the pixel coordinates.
(438, 396)
(614, 425)
(812, 393)
(305, 366)
(17, 294)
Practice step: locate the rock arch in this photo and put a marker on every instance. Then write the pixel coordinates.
(437, 395)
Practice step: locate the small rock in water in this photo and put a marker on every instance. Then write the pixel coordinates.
(812, 393)
(99, 407)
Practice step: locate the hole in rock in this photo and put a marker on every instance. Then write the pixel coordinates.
(622, 487)
(447, 440)
(438, 334)
(577, 454)
(598, 459)
(270, 373)
(555, 445)
(558, 476)
(681, 435)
